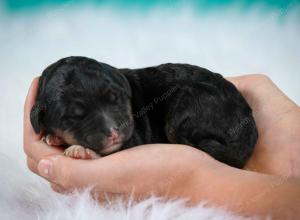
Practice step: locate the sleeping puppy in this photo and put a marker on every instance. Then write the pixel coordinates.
(94, 109)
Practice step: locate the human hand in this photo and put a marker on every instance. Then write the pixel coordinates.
(171, 171)
(158, 169)
(276, 117)
(278, 122)
(34, 148)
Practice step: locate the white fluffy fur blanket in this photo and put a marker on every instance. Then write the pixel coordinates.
(229, 42)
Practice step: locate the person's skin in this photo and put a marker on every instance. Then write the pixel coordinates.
(178, 171)
(278, 121)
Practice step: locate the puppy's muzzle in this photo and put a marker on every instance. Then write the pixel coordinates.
(104, 140)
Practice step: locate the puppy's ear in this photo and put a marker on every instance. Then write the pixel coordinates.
(123, 82)
(36, 116)
(126, 85)
(119, 77)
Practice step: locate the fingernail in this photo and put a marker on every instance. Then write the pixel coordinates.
(45, 168)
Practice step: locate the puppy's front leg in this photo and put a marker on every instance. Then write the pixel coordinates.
(74, 151)
(79, 152)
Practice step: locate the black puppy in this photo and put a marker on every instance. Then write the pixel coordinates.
(86, 104)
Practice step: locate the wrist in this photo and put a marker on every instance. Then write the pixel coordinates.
(248, 193)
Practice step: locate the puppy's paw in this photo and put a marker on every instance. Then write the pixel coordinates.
(53, 140)
(79, 152)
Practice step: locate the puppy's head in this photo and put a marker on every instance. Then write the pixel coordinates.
(84, 102)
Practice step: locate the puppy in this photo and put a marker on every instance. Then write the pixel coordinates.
(94, 109)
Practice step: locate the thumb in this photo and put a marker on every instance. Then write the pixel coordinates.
(71, 173)
(56, 169)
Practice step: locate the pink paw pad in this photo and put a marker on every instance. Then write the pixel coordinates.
(79, 152)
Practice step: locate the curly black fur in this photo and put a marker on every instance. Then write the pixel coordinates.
(169, 103)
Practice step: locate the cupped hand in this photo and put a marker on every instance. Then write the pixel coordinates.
(278, 122)
(276, 116)
(178, 171)
(158, 169)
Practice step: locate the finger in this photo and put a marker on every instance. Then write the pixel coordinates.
(108, 197)
(32, 165)
(38, 149)
(99, 196)
(71, 173)
(57, 188)
(29, 133)
(241, 81)
(54, 140)
(117, 173)
(33, 146)
(258, 89)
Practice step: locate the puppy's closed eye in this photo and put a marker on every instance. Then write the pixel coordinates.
(75, 111)
(113, 97)
(69, 122)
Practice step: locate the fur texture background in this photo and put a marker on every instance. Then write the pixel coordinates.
(229, 42)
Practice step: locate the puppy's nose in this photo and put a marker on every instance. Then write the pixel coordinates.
(113, 135)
